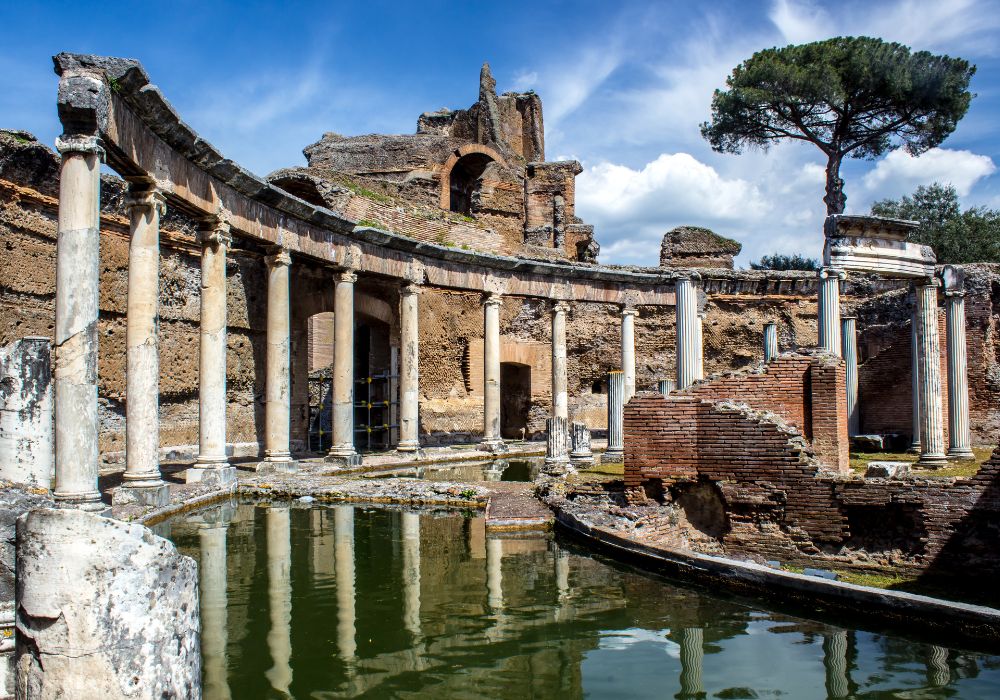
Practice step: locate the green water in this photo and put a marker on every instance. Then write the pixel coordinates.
(327, 602)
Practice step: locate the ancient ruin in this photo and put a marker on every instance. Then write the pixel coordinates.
(186, 331)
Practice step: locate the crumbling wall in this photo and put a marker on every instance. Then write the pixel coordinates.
(26, 412)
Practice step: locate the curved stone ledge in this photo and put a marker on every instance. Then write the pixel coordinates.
(974, 625)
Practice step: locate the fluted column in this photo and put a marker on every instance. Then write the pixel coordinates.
(491, 373)
(411, 574)
(914, 385)
(835, 664)
(692, 661)
(687, 330)
(628, 351)
(212, 464)
(560, 397)
(959, 434)
(700, 347)
(666, 386)
(937, 668)
(929, 362)
(849, 340)
(829, 309)
(615, 451)
(279, 592)
(214, 607)
(342, 449)
(278, 402)
(343, 553)
(142, 479)
(409, 375)
(77, 289)
(770, 341)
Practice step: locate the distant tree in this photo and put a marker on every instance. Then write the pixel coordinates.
(785, 262)
(854, 97)
(956, 236)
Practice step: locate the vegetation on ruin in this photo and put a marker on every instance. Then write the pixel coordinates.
(852, 97)
(785, 262)
(957, 236)
(957, 468)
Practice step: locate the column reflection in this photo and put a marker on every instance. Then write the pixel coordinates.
(411, 574)
(343, 519)
(279, 589)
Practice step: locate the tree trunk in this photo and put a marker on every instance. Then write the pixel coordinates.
(835, 198)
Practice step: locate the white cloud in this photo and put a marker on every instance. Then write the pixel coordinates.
(525, 81)
(899, 173)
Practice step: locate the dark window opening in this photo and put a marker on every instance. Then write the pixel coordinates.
(465, 180)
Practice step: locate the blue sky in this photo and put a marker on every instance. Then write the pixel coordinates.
(624, 87)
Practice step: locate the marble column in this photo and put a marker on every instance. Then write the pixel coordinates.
(411, 574)
(628, 351)
(409, 378)
(214, 605)
(212, 464)
(914, 385)
(278, 397)
(342, 450)
(829, 309)
(687, 330)
(494, 573)
(581, 454)
(849, 340)
(835, 664)
(959, 434)
(491, 374)
(770, 341)
(666, 386)
(343, 553)
(929, 364)
(142, 480)
(692, 660)
(560, 396)
(615, 451)
(279, 593)
(700, 346)
(77, 289)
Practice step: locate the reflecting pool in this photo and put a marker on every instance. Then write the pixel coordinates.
(341, 601)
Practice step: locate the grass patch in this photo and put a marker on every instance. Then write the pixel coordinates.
(613, 469)
(872, 580)
(957, 468)
(371, 223)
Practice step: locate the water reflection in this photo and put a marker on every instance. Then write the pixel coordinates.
(355, 601)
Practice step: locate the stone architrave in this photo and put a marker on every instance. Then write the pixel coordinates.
(959, 433)
(929, 364)
(687, 330)
(141, 480)
(580, 455)
(770, 341)
(278, 396)
(629, 314)
(26, 412)
(492, 442)
(105, 609)
(342, 451)
(77, 289)
(849, 339)
(615, 451)
(409, 379)
(829, 309)
(557, 446)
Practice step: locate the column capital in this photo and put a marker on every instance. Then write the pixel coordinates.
(140, 196)
(88, 144)
(492, 299)
(926, 282)
(687, 276)
(561, 307)
(214, 230)
(278, 256)
(954, 293)
(828, 272)
(629, 310)
(345, 275)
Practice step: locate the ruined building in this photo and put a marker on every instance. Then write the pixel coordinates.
(696, 247)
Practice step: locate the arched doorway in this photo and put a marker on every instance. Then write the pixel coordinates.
(515, 399)
(464, 182)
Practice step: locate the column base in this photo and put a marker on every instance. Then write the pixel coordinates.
(278, 465)
(144, 494)
(613, 457)
(415, 454)
(89, 501)
(343, 458)
(582, 459)
(961, 453)
(214, 474)
(408, 446)
(914, 448)
(496, 447)
(556, 466)
(932, 461)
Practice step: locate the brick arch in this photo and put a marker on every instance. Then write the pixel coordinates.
(444, 197)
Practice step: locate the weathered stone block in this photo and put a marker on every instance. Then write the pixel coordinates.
(26, 412)
(887, 470)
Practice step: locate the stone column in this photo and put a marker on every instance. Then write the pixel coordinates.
(411, 574)
(560, 398)
(615, 451)
(409, 379)
(700, 345)
(849, 340)
(214, 607)
(692, 660)
(77, 288)
(279, 592)
(278, 404)
(835, 664)
(562, 571)
(581, 455)
(914, 385)
(665, 386)
(929, 365)
(628, 350)
(937, 668)
(342, 450)
(141, 480)
(494, 573)
(687, 330)
(829, 309)
(212, 464)
(770, 341)
(959, 435)
(491, 374)
(343, 553)
(557, 446)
